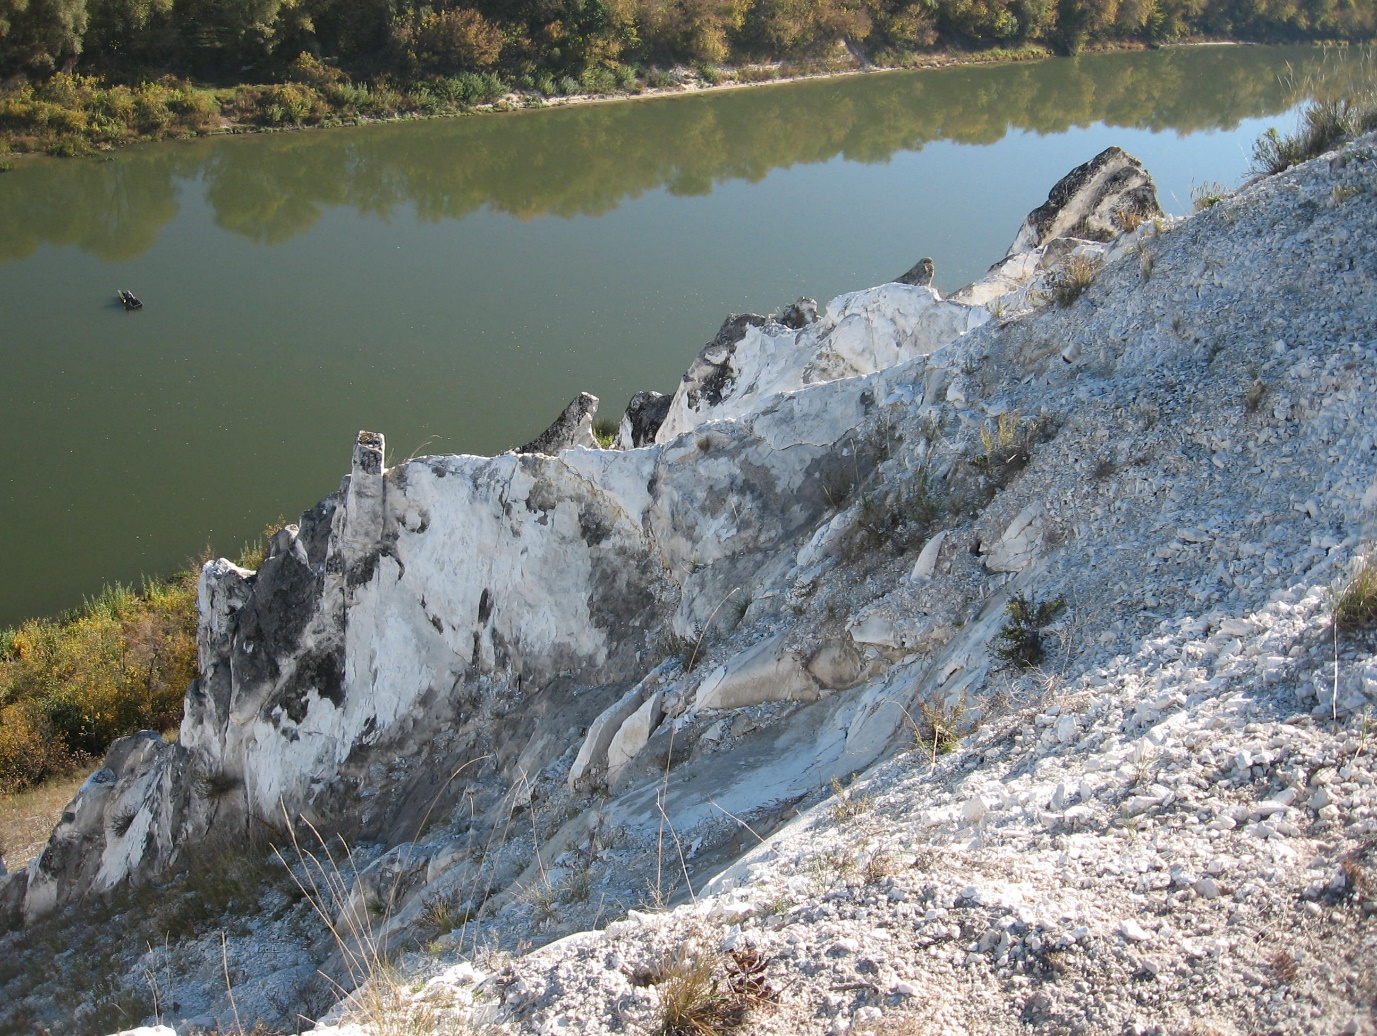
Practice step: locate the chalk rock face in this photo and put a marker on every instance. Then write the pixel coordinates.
(752, 359)
(124, 820)
(920, 276)
(643, 418)
(632, 736)
(406, 609)
(1095, 202)
(799, 314)
(13, 888)
(573, 427)
(593, 753)
(766, 672)
(836, 665)
(927, 558)
(1017, 548)
(712, 376)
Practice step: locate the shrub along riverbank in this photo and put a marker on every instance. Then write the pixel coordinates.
(72, 115)
(121, 663)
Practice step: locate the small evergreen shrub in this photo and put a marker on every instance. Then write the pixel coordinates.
(1020, 644)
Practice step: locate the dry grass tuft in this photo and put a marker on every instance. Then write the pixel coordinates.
(27, 817)
(849, 804)
(1207, 195)
(704, 992)
(1006, 447)
(1355, 607)
(1128, 219)
(215, 784)
(940, 727)
(1284, 966)
(1070, 280)
(1324, 125)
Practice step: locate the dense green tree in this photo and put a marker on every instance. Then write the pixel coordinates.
(803, 26)
(979, 21)
(697, 29)
(137, 29)
(227, 34)
(905, 25)
(356, 32)
(40, 35)
(449, 41)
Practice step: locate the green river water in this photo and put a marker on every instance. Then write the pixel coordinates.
(453, 283)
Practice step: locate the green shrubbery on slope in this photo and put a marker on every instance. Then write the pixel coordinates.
(71, 685)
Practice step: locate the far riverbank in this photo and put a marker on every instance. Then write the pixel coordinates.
(75, 115)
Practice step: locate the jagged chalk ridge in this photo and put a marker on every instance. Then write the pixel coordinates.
(1170, 828)
(644, 662)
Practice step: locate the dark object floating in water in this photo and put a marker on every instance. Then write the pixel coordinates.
(129, 301)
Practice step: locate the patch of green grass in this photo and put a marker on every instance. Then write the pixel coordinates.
(605, 431)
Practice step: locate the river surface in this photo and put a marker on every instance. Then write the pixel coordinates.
(453, 283)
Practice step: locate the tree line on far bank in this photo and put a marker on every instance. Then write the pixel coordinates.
(409, 40)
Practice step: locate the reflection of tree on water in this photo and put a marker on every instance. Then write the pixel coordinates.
(587, 160)
(114, 211)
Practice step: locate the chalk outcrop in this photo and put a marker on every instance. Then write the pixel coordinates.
(1096, 201)
(538, 685)
(573, 427)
